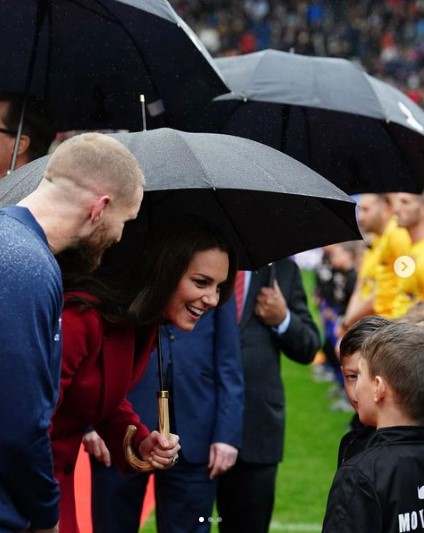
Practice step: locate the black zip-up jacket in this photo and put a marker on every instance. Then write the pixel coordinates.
(380, 490)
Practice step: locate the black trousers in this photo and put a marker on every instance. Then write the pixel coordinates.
(184, 499)
(245, 498)
(116, 500)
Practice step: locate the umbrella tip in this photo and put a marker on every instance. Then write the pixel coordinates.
(143, 111)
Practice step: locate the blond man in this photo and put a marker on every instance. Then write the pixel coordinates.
(91, 187)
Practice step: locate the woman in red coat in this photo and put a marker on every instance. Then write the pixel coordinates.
(109, 330)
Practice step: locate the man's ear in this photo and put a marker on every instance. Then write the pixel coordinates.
(380, 388)
(97, 210)
(24, 143)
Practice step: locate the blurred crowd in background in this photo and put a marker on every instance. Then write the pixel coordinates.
(386, 37)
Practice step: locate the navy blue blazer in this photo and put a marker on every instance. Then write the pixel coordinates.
(203, 372)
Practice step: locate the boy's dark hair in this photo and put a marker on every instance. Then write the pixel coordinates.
(396, 353)
(358, 332)
(38, 122)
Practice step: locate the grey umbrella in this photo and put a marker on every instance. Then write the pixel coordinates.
(269, 205)
(357, 131)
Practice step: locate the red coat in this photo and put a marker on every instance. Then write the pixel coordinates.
(98, 369)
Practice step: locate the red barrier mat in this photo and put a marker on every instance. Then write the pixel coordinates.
(83, 488)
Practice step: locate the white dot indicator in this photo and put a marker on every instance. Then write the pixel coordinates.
(210, 519)
(404, 266)
(201, 519)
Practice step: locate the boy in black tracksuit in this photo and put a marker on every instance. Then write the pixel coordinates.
(349, 352)
(381, 489)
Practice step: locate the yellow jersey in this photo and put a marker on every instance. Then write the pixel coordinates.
(366, 274)
(394, 242)
(411, 289)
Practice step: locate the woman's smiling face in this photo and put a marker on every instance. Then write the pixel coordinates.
(199, 288)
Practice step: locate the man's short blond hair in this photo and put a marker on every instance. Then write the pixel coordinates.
(97, 163)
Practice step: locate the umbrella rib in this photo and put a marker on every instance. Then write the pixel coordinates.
(134, 43)
(113, 18)
(352, 225)
(233, 226)
(277, 184)
(193, 153)
(42, 9)
(254, 163)
(103, 15)
(383, 109)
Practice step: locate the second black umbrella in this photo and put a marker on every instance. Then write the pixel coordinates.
(357, 131)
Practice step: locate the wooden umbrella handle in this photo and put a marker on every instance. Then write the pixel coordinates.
(163, 414)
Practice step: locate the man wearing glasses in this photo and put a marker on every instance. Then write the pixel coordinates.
(37, 131)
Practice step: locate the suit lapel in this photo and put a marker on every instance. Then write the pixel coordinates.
(258, 279)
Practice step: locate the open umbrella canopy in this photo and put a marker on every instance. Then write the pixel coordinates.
(92, 59)
(357, 131)
(268, 204)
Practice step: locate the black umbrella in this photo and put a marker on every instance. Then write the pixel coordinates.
(268, 204)
(93, 58)
(357, 131)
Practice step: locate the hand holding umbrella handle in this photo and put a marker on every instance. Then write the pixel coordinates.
(163, 414)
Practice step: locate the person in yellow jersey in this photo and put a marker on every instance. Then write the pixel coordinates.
(377, 283)
(394, 243)
(410, 213)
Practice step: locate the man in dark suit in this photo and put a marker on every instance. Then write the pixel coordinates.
(275, 319)
(203, 372)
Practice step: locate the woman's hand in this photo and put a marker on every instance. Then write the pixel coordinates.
(160, 451)
(95, 445)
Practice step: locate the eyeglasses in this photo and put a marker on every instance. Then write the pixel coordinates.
(7, 131)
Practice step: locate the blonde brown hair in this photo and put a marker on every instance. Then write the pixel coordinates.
(96, 162)
(396, 353)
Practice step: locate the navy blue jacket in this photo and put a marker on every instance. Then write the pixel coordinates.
(203, 370)
(30, 349)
